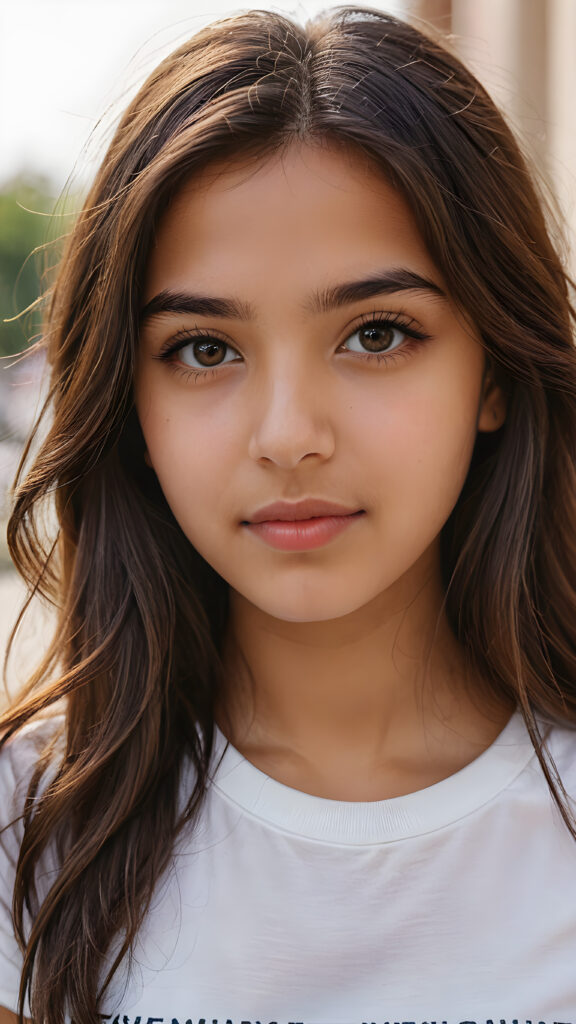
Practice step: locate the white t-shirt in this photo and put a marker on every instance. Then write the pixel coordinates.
(453, 904)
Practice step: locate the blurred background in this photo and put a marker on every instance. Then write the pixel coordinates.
(67, 69)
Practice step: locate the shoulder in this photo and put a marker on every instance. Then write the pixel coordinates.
(19, 756)
(559, 750)
(561, 744)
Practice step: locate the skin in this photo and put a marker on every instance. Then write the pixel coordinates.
(359, 690)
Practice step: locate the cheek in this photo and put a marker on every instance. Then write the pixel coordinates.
(193, 458)
(184, 462)
(419, 440)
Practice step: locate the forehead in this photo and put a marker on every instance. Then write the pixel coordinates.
(335, 159)
(310, 209)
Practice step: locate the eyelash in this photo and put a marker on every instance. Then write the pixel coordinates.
(375, 319)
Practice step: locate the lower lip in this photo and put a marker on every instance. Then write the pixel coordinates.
(302, 534)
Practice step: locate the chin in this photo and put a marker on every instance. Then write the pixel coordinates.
(313, 608)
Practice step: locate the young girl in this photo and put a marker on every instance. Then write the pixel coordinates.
(302, 749)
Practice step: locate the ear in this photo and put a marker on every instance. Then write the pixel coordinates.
(492, 412)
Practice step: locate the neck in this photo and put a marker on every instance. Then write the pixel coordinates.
(382, 693)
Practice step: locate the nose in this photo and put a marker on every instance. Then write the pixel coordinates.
(290, 418)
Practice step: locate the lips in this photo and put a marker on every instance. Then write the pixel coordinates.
(311, 508)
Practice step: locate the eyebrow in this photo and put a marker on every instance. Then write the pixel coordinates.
(386, 282)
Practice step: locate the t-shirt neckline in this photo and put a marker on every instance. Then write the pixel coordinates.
(377, 821)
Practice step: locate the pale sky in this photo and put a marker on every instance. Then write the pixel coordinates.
(64, 63)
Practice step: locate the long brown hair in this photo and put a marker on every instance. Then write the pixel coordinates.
(137, 653)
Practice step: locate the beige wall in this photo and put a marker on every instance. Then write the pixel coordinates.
(524, 52)
(562, 109)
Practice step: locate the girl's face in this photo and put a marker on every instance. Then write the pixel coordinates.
(270, 370)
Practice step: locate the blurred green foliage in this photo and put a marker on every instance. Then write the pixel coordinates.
(31, 219)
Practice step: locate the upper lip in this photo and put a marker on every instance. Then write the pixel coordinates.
(308, 509)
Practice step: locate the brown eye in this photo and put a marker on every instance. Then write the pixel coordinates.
(378, 336)
(208, 351)
(202, 352)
